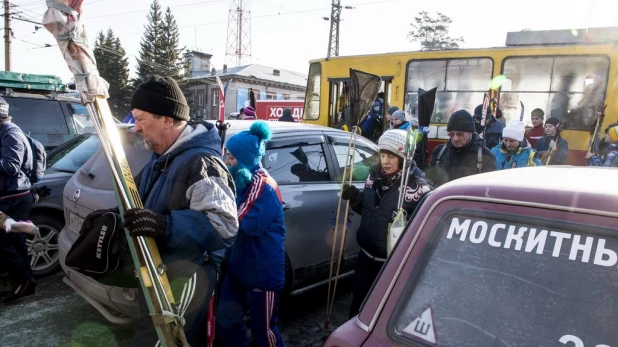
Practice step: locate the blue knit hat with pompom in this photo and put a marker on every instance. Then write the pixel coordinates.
(248, 147)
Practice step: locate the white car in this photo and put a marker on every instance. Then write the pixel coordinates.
(310, 194)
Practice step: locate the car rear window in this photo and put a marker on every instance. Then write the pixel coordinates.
(37, 116)
(500, 280)
(96, 173)
(77, 155)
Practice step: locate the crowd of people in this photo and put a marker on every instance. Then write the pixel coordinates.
(209, 212)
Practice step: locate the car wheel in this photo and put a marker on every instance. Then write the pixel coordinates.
(43, 248)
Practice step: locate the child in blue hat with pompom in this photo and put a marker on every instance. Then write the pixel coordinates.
(256, 260)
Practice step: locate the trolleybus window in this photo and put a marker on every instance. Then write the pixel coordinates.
(570, 88)
(461, 84)
(312, 101)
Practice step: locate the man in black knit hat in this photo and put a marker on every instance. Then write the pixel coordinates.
(463, 154)
(189, 203)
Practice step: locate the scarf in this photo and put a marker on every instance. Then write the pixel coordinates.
(389, 179)
(242, 178)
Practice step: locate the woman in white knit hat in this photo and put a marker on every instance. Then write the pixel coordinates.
(514, 150)
(378, 206)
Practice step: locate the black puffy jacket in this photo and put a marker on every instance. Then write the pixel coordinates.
(378, 207)
(456, 162)
(15, 160)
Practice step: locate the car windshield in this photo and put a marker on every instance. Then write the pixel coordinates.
(75, 156)
(527, 272)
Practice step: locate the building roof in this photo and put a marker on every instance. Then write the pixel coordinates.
(200, 54)
(261, 72)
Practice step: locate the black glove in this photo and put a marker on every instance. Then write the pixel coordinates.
(350, 193)
(142, 222)
(87, 224)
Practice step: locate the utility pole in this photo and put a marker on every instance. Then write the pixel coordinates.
(238, 46)
(335, 17)
(7, 35)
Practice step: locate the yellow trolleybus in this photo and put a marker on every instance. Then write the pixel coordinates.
(566, 73)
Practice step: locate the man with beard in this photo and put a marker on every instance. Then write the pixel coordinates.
(552, 149)
(256, 261)
(189, 207)
(462, 155)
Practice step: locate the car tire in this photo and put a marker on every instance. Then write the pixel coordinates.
(44, 246)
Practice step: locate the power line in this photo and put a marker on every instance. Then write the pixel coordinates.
(20, 18)
(38, 15)
(30, 3)
(132, 13)
(39, 5)
(30, 49)
(24, 14)
(46, 45)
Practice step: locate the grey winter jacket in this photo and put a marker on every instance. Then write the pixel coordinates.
(15, 160)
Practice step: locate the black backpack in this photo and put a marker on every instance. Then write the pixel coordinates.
(100, 249)
(39, 160)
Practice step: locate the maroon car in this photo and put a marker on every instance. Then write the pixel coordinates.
(521, 257)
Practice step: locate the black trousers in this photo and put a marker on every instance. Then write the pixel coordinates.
(192, 296)
(13, 251)
(365, 273)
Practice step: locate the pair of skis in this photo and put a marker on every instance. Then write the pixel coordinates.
(396, 228)
(364, 88)
(593, 146)
(63, 21)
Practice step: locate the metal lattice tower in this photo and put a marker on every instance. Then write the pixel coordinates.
(238, 47)
(335, 17)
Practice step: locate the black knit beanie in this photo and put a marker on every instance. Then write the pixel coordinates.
(161, 96)
(461, 120)
(553, 121)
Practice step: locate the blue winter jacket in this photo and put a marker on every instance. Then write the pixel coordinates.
(523, 156)
(403, 126)
(15, 160)
(192, 187)
(257, 258)
(608, 159)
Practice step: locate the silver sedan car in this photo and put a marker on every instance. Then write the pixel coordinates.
(307, 162)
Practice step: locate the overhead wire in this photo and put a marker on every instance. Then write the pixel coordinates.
(38, 15)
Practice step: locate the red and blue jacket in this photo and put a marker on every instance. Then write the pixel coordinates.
(257, 257)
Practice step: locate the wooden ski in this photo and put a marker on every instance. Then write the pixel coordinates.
(148, 264)
(62, 19)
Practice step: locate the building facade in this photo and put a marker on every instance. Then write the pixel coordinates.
(267, 83)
